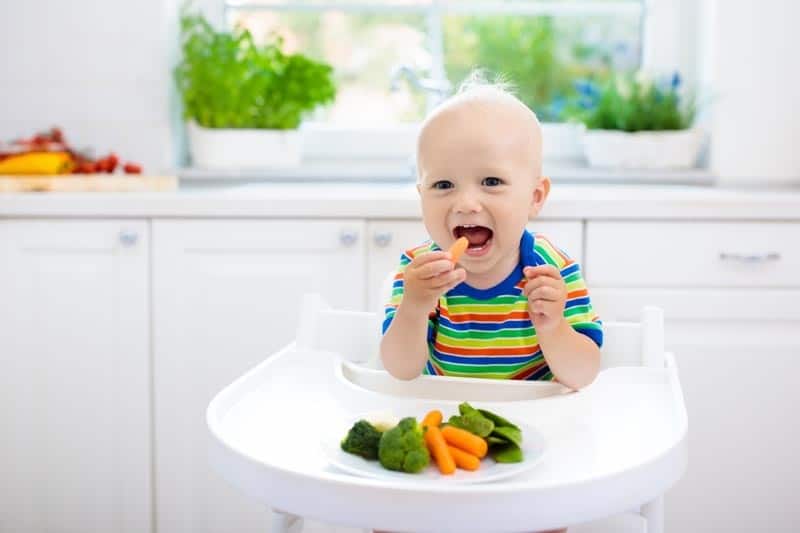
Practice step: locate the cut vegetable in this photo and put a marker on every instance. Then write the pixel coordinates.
(465, 440)
(507, 453)
(458, 248)
(498, 420)
(464, 460)
(433, 418)
(473, 422)
(508, 433)
(438, 448)
(382, 420)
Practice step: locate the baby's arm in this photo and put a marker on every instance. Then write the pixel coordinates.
(573, 357)
(404, 347)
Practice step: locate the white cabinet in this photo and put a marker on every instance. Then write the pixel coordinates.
(387, 239)
(226, 295)
(740, 384)
(75, 380)
(729, 293)
(77, 388)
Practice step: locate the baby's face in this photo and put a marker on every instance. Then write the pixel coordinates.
(479, 165)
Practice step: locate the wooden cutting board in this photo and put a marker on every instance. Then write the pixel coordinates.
(88, 182)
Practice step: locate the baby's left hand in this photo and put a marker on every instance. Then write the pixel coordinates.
(547, 294)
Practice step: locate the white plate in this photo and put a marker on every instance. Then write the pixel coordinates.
(533, 447)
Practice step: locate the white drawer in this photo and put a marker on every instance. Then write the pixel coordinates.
(692, 254)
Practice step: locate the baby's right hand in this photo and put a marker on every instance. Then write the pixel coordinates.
(427, 277)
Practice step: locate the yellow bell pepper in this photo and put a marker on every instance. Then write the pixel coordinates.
(37, 163)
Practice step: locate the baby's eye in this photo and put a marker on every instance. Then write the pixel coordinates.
(442, 184)
(492, 181)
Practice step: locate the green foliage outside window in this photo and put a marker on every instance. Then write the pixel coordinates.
(539, 58)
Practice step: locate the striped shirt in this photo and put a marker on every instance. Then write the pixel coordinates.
(488, 333)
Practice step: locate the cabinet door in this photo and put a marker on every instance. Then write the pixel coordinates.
(740, 385)
(75, 389)
(390, 238)
(731, 321)
(227, 294)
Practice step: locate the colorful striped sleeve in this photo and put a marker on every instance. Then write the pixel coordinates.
(578, 308)
(397, 291)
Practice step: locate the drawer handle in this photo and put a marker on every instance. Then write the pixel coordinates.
(348, 237)
(128, 238)
(383, 239)
(750, 258)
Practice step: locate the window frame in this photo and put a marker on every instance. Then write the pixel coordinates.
(662, 50)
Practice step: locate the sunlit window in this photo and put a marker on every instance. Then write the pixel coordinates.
(396, 58)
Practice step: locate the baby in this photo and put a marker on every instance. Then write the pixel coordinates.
(515, 306)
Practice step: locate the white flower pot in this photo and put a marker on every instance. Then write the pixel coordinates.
(561, 140)
(642, 149)
(243, 148)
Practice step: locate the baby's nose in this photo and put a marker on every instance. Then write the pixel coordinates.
(467, 203)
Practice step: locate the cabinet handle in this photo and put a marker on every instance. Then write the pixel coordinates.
(382, 239)
(750, 258)
(128, 238)
(348, 237)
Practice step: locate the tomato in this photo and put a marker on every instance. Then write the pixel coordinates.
(132, 168)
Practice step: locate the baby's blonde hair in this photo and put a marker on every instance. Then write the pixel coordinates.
(477, 87)
(478, 82)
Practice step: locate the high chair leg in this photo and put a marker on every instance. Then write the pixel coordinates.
(653, 512)
(281, 522)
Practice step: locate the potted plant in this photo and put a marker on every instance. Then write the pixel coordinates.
(636, 122)
(244, 103)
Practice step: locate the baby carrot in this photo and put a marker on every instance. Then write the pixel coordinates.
(458, 248)
(464, 460)
(465, 440)
(438, 448)
(433, 418)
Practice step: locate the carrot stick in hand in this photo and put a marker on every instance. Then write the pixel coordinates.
(458, 248)
(438, 448)
(463, 439)
(464, 460)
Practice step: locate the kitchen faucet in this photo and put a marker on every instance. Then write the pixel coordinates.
(438, 88)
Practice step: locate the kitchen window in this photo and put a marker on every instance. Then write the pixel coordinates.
(396, 59)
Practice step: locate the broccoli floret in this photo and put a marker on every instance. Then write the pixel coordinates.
(402, 448)
(362, 439)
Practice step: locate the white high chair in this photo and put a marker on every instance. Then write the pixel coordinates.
(635, 449)
(358, 334)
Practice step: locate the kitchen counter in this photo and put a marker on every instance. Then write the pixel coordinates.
(400, 200)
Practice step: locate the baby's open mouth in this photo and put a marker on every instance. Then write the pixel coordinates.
(478, 236)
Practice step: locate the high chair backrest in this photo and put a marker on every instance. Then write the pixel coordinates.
(634, 343)
(355, 335)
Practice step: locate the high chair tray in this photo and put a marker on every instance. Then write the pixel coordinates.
(617, 444)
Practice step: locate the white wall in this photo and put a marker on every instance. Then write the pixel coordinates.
(97, 68)
(754, 67)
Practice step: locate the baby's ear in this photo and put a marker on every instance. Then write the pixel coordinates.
(539, 195)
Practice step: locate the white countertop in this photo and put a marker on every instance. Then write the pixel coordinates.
(400, 200)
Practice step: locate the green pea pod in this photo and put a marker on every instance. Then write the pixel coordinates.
(507, 453)
(498, 420)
